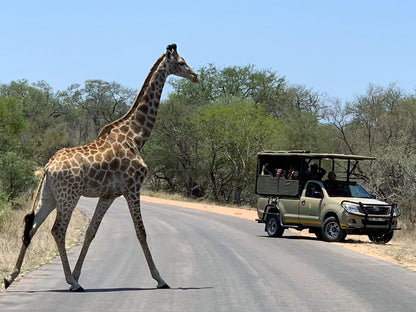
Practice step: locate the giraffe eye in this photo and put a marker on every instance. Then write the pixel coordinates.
(181, 63)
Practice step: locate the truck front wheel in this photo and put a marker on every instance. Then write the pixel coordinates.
(381, 238)
(273, 227)
(331, 230)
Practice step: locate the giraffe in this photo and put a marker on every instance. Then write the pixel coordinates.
(108, 167)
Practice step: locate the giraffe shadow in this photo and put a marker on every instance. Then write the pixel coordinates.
(105, 290)
(109, 290)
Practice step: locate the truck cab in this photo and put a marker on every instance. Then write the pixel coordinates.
(316, 191)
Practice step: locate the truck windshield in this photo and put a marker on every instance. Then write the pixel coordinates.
(344, 189)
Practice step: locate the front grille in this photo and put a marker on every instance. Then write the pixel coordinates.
(376, 210)
(368, 222)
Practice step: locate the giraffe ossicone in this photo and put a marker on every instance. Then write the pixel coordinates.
(108, 167)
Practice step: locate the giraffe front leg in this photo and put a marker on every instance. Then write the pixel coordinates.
(134, 207)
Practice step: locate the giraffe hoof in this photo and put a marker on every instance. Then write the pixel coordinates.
(77, 289)
(163, 286)
(6, 283)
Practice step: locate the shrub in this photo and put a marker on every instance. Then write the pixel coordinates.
(4, 208)
(16, 175)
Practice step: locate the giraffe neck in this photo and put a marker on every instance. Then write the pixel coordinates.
(143, 117)
(138, 122)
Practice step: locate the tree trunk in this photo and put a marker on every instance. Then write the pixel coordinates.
(237, 196)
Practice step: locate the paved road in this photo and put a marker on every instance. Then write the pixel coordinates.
(213, 263)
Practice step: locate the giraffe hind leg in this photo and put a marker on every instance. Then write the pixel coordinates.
(45, 203)
(28, 233)
(26, 241)
(102, 206)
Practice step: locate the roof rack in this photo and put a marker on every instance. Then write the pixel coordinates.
(308, 154)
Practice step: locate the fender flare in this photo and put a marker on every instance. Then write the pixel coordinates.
(267, 212)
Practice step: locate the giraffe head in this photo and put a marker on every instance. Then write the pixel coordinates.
(177, 65)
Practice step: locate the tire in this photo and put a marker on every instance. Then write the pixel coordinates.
(332, 231)
(273, 227)
(381, 238)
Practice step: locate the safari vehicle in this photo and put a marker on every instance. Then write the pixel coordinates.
(295, 192)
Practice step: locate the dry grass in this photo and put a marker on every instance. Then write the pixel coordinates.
(42, 248)
(400, 250)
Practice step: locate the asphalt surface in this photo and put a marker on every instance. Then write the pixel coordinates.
(212, 263)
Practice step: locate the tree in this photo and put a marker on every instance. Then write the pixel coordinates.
(182, 151)
(211, 152)
(231, 133)
(12, 124)
(305, 132)
(16, 168)
(170, 151)
(94, 105)
(371, 113)
(340, 116)
(43, 112)
(264, 87)
(16, 174)
(382, 123)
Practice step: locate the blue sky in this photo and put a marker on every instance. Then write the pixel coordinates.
(333, 47)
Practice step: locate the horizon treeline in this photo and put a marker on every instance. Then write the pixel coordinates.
(207, 135)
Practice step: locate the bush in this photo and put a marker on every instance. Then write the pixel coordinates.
(408, 217)
(16, 175)
(4, 208)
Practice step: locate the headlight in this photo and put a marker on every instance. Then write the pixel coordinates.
(351, 207)
(396, 211)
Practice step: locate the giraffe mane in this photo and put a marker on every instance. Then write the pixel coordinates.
(107, 128)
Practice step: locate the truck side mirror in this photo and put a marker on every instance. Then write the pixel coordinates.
(318, 195)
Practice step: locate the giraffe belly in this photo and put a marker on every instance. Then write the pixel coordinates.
(97, 189)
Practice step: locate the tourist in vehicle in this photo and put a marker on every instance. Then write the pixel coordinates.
(265, 170)
(331, 186)
(293, 174)
(331, 176)
(279, 173)
(316, 172)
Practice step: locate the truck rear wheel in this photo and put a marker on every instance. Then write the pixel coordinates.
(273, 227)
(381, 238)
(332, 231)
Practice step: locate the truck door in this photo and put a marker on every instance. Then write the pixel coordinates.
(289, 210)
(310, 204)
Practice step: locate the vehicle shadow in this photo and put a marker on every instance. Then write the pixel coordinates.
(353, 240)
(294, 237)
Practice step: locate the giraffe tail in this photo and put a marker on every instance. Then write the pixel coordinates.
(30, 217)
(27, 234)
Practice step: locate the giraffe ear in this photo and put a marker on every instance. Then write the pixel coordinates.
(171, 47)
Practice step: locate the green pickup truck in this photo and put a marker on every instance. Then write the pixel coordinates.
(316, 191)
